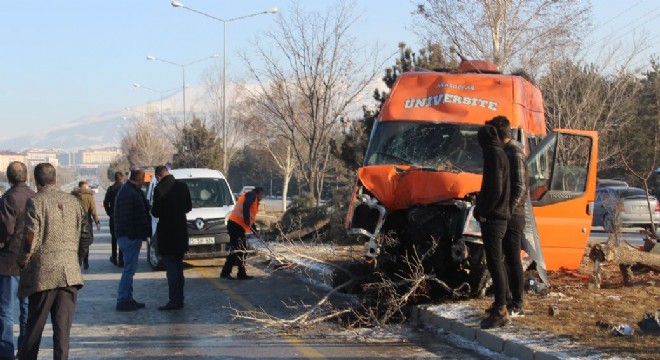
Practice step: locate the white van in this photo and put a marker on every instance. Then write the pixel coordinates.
(212, 200)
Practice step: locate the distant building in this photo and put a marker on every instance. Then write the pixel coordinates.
(97, 156)
(36, 156)
(89, 158)
(7, 157)
(66, 158)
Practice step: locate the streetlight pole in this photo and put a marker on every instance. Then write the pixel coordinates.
(224, 66)
(154, 90)
(183, 73)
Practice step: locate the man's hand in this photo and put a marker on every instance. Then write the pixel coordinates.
(98, 226)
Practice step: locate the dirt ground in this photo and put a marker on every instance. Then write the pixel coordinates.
(580, 307)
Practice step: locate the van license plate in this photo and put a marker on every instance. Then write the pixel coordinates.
(202, 241)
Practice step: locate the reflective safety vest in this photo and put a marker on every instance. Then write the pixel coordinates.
(236, 214)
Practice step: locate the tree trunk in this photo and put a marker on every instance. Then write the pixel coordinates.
(285, 190)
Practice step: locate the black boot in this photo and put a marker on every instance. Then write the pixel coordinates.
(498, 317)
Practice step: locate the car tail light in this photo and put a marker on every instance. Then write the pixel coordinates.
(657, 206)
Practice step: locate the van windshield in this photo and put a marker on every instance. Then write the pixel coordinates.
(430, 145)
(208, 192)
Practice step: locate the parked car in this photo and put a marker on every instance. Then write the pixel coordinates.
(212, 201)
(634, 211)
(600, 183)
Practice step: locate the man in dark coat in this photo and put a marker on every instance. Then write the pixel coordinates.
(86, 196)
(512, 242)
(12, 213)
(109, 205)
(492, 211)
(132, 226)
(170, 205)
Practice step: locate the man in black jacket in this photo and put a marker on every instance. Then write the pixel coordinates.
(492, 212)
(511, 244)
(171, 203)
(132, 227)
(12, 213)
(109, 205)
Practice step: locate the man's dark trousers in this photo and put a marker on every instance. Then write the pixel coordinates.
(119, 259)
(511, 246)
(61, 304)
(492, 232)
(175, 280)
(237, 247)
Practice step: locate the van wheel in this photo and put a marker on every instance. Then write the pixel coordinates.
(608, 223)
(155, 262)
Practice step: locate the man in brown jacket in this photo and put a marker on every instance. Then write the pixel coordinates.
(86, 196)
(48, 258)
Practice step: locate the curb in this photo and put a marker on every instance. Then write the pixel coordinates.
(494, 340)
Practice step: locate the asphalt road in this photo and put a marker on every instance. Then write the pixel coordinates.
(206, 327)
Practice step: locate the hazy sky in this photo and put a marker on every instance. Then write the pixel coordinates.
(61, 60)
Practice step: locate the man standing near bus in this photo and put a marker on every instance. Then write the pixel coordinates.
(511, 244)
(492, 211)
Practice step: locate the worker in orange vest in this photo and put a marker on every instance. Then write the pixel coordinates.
(241, 222)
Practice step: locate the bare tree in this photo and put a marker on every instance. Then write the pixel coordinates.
(523, 33)
(144, 143)
(236, 122)
(281, 152)
(582, 96)
(312, 76)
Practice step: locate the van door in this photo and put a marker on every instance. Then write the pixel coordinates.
(562, 179)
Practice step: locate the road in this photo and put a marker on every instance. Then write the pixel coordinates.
(205, 328)
(629, 235)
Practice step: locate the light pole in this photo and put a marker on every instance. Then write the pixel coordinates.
(157, 91)
(224, 67)
(154, 90)
(183, 73)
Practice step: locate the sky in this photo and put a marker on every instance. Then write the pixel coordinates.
(69, 59)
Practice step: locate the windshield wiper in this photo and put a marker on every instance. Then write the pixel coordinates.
(395, 157)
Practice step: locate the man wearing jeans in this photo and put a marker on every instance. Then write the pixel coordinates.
(12, 212)
(132, 226)
(171, 204)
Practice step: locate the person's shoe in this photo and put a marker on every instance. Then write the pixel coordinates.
(170, 306)
(127, 306)
(227, 277)
(515, 311)
(139, 305)
(497, 318)
(244, 277)
(113, 260)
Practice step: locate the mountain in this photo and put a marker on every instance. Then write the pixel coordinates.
(95, 131)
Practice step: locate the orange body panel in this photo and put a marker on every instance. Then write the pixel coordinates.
(400, 187)
(466, 99)
(564, 227)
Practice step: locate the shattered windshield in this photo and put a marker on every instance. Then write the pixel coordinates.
(430, 145)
